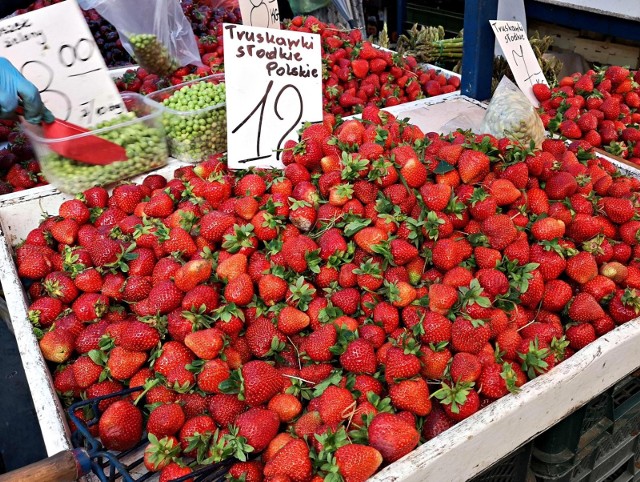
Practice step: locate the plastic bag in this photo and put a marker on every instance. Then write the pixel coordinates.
(155, 32)
(300, 7)
(510, 114)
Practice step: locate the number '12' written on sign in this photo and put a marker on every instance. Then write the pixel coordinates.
(274, 82)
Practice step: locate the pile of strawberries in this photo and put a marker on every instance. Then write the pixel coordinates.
(355, 73)
(19, 169)
(322, 322)
(600, 107)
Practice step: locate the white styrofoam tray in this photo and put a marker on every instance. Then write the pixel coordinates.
(470, 446)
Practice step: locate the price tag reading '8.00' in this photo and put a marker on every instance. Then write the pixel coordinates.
(274, 84)
(513, 40)
(54, 48)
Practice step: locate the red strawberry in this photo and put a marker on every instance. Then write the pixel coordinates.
(261, 382)
(584, 308)
(473, 166)
(291, 461)
(120, 426)
(165, 420)
(57, 345)
(174, 471)
(206, 344)
(259, 426)
(356, 463)
(459, 400)
(580, 335)
(392, 436)
(411, 395)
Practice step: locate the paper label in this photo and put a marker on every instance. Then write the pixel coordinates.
(513, 40)
(260, 13)
(274, 84)
(54, 49)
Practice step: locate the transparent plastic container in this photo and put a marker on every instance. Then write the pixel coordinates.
(194, 132)
(139, 131)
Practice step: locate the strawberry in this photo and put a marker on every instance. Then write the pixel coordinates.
(570, 129)
(296, 250)
(392, 436)
(164, 297)
(411, 395)
(292, 320)
(580, 335)
(618, 210)
(205, 344)
(240, 290)
(584, 308)
(123, 364)
(473, 166)
(465, 367)
(261, 382)
(158, 454)
(192, 273)
(356, 463)
(57, 345)
(582, 267)
(459, 400)
(44, 311)
(561, 185)
(120, 426)
(414, 173)
(258, 426)
(165, 420)
(291, 461)
(174, 471)
(547, 229)
(172, 354)
(542, 92)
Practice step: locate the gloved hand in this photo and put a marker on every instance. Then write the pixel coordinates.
(14, 88)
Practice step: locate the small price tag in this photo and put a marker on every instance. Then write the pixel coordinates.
(260, 13)
(54, 48)
(274, 83)
(513, 40)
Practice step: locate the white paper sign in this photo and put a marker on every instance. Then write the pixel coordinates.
(54, 48)
(513, 40)
(260, 13)
(274, 84)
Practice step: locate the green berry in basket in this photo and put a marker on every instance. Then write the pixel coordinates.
(144, 144)
(199, 128)
(152, 55)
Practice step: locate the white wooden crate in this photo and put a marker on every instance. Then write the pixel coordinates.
(459, 453)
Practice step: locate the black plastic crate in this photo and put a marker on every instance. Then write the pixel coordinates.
(605, 450)
(513, 468)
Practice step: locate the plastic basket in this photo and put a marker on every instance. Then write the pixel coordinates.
(513, 468)
(193, 135)
(142, 136)
(603, 454)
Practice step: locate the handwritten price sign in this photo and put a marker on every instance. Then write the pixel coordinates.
(260, 13)
(274, 81)
(513, 40)
(53, 48)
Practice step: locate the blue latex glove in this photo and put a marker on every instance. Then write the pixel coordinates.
(14, 89)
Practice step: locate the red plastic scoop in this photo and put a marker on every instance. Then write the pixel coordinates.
(89, 149)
